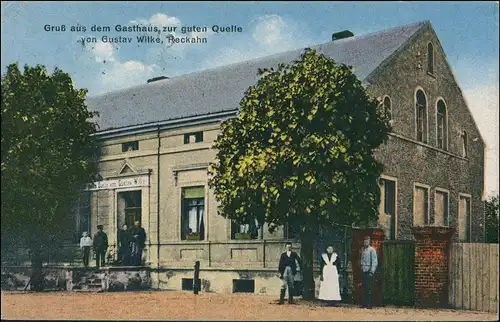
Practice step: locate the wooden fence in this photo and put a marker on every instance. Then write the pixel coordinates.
(473, 277)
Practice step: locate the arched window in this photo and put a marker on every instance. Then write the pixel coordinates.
(442, 126)
(388, 105)
(421, 115)
(430, 58)
(464, 144)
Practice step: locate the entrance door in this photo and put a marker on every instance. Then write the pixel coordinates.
(129, 208)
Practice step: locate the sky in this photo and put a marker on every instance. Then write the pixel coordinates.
(468, 32)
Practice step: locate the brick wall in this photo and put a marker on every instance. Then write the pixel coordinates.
(411, 162)
(432, 246)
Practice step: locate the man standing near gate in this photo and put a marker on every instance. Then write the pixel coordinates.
(368, 266)
(287, 268)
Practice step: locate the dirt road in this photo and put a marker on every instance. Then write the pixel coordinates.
(205, 306)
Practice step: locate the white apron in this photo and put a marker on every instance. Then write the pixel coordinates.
(329, 288)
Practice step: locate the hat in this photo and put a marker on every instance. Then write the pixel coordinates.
(99, 226)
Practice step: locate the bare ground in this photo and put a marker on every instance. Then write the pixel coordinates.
(204, 306)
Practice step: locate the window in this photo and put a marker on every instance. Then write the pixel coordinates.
(292, 230)
(420, 205)
(192, 208)
(464, 218)
(388, 105)
(388, 194)
(187, 284)
(441, 208)
(130, 146)
(430, 58)
(129, 208)
(83, 214)
(193, 137)
(249, 230)
(243, 286)
(421, 111)
(464, 144)
(442, 126)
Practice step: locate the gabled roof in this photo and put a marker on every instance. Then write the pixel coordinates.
(222, 88)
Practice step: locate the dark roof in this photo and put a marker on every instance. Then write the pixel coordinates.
(222, 88)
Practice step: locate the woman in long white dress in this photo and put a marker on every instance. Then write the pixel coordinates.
(329, 289)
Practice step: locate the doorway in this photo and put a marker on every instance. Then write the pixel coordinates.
(129, 208)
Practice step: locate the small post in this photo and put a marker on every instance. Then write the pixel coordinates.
(196, 286)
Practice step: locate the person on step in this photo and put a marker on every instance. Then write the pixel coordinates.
(368, 266)
(100, 246)
(329, 289)
(85, 244)
(139, 241)
(124, 246)
(288, 268)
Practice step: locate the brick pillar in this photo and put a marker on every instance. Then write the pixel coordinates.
(377, 237)
(432, 247)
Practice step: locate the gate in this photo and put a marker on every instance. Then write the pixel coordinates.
(399, 273)
(340, 238)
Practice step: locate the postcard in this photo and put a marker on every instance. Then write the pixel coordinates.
(250, 160)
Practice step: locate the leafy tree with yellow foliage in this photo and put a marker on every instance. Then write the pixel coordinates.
(301, 150)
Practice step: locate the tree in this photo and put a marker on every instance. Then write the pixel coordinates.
(491, 220)
(301, 150)
(48, 152)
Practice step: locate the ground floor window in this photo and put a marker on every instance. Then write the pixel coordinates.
(441, 208)
(420, 205)
(464, 218)
(192, 213)
(249, 230)
(83, 213)
(292, 230)
(388, 196)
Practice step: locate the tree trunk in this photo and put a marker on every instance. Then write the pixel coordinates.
(36, 270)
(306, 254)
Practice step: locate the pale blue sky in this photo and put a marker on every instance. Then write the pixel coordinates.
(468, 32)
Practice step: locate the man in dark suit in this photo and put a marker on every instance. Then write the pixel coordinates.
(100, 244)
(125, 245)
(287, 269)
(139, 241)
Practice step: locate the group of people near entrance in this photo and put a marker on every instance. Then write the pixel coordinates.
(329, 288)
(131, 243)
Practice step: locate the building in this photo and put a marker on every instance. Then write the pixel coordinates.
(156, 143)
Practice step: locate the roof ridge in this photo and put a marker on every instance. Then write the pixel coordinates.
(413, 24)
(208, 70)
(303, 48)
